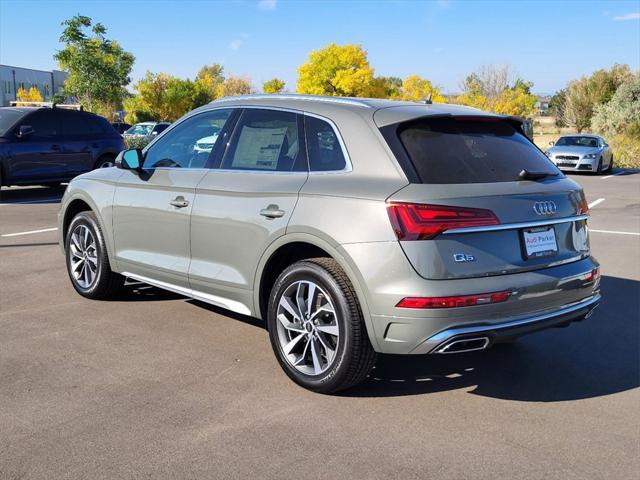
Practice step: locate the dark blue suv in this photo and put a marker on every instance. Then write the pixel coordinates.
(46, 146)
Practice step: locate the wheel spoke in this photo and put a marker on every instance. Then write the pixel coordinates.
(311, 293)
(330, 329)
(75, 266)
(329, 352)
(289, 307)
(326, 308)
(291, 345)
(85, 239)
(290, 325)
(317, 367)
(93, 260)
(304, 354)
(300, 300)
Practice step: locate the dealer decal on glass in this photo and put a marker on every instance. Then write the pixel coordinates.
(539, 242)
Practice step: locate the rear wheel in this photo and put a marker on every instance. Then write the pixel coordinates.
(316, 327)
(87, 260)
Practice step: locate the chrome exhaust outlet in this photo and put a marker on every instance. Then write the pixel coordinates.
(464, 345)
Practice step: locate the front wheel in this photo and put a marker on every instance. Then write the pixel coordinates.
(610, 167)
(106, 161)
(599, 169)
(87, 260)
(316, 327)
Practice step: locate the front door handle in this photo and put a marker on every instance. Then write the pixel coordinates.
(272, 211)
(179, 202)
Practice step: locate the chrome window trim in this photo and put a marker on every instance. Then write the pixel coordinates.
(513, 226)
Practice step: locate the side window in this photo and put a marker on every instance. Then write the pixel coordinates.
(77, 124)
(189, 144)
(267, 140)
(44, 122)
(324, 149)
(159, 128)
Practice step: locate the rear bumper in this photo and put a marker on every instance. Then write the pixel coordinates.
(479, 337)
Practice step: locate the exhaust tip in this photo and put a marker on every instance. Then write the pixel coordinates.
(464, 345)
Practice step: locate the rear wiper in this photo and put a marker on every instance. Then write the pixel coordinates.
(527, 175)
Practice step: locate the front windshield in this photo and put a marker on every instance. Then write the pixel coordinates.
(577, 142)
(140, 129)
(8, 118)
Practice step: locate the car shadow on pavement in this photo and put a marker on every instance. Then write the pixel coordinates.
(35, 194)
(596, 357)
(142, 292)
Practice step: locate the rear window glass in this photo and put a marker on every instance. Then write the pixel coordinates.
(325, 152)
(461, 150)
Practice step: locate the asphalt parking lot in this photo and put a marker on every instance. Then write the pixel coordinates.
(155, 385)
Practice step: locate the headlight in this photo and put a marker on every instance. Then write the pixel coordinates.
(590, 156)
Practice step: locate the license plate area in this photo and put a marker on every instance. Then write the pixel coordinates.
(539, 242)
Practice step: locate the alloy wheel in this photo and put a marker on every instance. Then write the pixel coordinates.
(84, 256)
(308, 328)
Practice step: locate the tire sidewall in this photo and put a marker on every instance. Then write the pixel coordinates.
(310, 271)
(87, 219)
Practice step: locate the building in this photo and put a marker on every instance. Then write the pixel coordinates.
(12, 78)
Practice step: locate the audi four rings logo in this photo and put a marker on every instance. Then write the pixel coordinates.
(545, 208)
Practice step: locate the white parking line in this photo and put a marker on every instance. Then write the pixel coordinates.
(612, 175)
(596, 202)
(29, 232)
(591, 230)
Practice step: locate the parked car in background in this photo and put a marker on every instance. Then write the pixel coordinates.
(581, 153)
(51, 145)
(146, 129)
(121, 127)
(350, 226)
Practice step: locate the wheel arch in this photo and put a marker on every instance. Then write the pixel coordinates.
(294, 247)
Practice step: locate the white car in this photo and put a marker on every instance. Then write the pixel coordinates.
(205, 144)
(585, 153)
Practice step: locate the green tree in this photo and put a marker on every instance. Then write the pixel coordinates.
(208, 79)
(622, 113)
(164, 97)
(275, 85)
(98, 67)
(587, 93)
(339, 70)
(556, 107)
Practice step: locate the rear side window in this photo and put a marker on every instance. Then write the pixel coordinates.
(77, 124)
(266, 140)
(467, 150)
(323, 147)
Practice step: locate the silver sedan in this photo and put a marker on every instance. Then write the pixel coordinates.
(586, 153)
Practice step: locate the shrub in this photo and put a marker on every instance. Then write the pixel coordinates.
(626, 150)
(136, 142)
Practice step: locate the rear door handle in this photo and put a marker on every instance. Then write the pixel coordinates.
(272, 211)
(179, 202)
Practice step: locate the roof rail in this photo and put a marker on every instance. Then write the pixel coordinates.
(311, 98)
(29, 103)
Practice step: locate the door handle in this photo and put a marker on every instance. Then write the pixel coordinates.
(179, 202)
(272, 211)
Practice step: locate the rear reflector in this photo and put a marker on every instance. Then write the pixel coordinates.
(454, 302)
(412, 221)
(591, 276)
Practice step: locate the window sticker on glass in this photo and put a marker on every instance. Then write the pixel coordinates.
(259, 148)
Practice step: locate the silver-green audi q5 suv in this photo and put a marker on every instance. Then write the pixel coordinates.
(350, 226)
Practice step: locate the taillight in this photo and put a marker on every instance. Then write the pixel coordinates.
(454, 302)
(583, 207)
(413, 221)
(591, 276)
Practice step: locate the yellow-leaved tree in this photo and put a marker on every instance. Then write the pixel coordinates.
(339, 70)
(31, 95)
(275, 85)
(414, 89)
(233, 86)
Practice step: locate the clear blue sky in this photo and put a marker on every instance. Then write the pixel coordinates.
(547, 42)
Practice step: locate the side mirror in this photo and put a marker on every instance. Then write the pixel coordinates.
(130, 159)
(552, 143)
(24, 131)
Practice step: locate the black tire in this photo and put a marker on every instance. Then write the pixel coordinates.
(106, 283)
(105, 161)
(599, 169)
(610, 167)
(354, 356)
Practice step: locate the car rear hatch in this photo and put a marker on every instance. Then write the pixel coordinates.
(469, 210)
